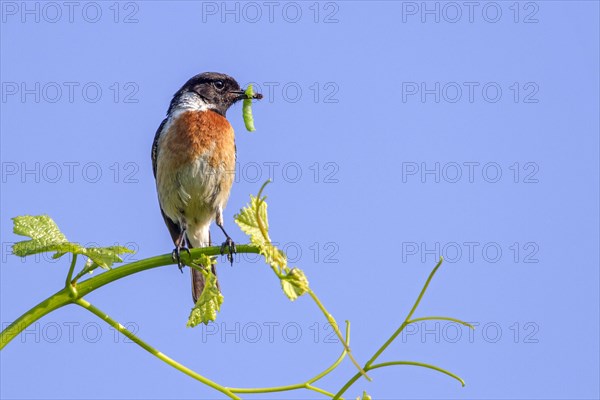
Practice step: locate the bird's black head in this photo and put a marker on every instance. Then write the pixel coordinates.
(209, 90)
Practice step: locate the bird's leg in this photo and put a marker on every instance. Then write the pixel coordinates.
(228, 244)
(180, 245)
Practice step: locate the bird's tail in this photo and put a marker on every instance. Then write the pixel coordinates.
(200, 238)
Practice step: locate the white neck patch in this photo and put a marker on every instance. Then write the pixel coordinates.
(187, 102)
(191, 102)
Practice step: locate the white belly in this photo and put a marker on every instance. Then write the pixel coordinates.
(191, 195)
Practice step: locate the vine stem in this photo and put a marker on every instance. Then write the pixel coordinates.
(74, 291)
(306, 385)
(103, 316)
(408, 317)
(259, 220)
(391, 363)
(56, 301)
(328, 316)
(436, 318)
(336, 329)
(369, 365)
(73, 294)
(71, 269)
(418, 364)
(64, 296)
(318, 390)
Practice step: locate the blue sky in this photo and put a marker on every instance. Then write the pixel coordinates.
(394, 132)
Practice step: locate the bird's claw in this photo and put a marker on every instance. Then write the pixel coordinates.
(176, 254)
(228, 245)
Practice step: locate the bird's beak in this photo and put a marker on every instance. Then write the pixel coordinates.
(241, 95)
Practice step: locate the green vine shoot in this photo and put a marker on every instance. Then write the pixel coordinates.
(45, 237)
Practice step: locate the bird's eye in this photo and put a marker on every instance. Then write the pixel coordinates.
(219, 85)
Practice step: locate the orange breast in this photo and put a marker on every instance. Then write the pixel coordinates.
(196, 133)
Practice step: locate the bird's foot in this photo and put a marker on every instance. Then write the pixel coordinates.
(228, 245)
(176, 254)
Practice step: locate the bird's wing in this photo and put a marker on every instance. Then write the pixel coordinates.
(155, 146)
(174, 228)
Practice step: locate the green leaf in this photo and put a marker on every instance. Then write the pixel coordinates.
(275, 257)
(205, 261)
(209, 302)
(47, 237)
(247, 109)
(248, 222)
(294, 283)
(105, 257)
(44, 233)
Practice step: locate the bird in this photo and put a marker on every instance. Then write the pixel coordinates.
(193, 161)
